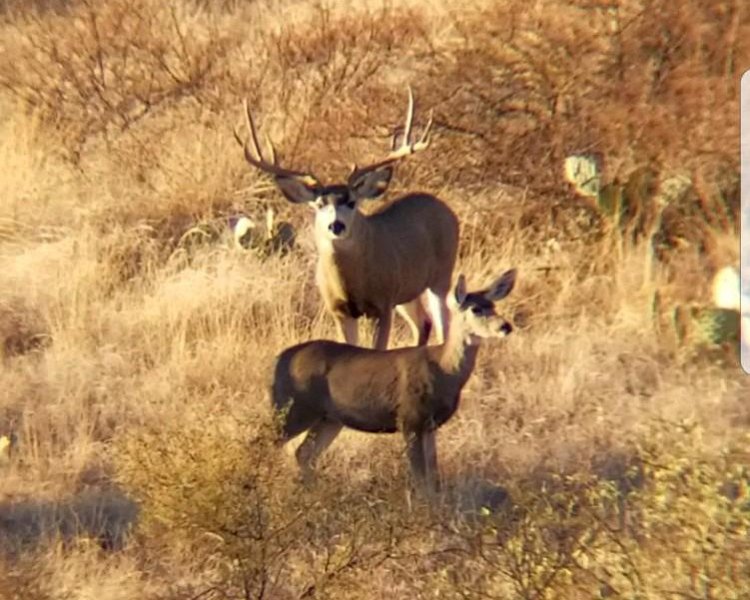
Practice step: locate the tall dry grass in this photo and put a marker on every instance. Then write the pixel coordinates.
(594, 454)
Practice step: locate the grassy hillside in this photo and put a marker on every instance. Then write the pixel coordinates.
(600, 452)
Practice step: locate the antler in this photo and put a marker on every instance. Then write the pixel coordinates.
(405, 149)
(260, 162)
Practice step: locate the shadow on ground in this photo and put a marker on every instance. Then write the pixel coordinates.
(474, 494)
(105, 515)
(471, 496)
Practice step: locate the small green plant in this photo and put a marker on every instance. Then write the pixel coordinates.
(221, 490)
(687, 526)
(676, 523)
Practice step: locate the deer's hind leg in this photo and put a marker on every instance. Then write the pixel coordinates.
(348, 330)
(291, 418)
(439, 311)
(318, 438)
(416, 316)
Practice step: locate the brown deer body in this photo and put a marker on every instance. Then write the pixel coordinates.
(321, 386)
(401, 256)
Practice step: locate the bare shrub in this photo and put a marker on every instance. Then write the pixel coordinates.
(332, 74)
(22, 577)
(22, 329)
(635, 83)
(223, 492)
(600, 78)
(105, 66)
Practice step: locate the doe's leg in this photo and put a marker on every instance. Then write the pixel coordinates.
(415, 452)
(429, 449)
(318, 438)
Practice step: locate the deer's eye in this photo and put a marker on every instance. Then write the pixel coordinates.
(477, 310)
(350, 204)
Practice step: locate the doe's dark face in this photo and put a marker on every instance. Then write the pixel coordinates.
(481, 319)
(335, 209)
(477, 311)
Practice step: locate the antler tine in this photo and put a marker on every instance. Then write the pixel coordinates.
(425, 139)
(407, 147)
(260, 161)
(250, 123)
(409, 118)
(273, 150)
(407, 126)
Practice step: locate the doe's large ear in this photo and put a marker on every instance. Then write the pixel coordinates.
(459, 292)
(370, 184)
(295, 190)
(502, 286)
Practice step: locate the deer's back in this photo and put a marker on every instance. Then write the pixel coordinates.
(413, 246)
(426, 221)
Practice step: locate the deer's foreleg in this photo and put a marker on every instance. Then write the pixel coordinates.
(382, 330)
(415, 452)
(422, 452)
(429, 449)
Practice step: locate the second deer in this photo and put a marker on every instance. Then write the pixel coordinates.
(321, 386)
(400, 256)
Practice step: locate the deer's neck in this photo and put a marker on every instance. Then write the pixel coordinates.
(458, 354)
(345, 265)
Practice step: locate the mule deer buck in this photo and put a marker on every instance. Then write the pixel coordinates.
(321, 386)
(401, 256)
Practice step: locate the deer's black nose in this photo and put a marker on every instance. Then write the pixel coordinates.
(337, 227)
(506, 328)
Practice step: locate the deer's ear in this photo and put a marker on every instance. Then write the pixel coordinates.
(501, 287)
(459, 292)
(295, 190)
(370, 184)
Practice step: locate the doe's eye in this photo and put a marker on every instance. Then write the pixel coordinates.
(350, 204)
(477, 310)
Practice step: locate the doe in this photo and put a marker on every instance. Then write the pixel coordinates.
(321, 386)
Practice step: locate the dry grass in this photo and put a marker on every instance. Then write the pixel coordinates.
(134, 365)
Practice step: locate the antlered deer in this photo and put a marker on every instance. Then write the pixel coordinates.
(322, 386)
(401, 256)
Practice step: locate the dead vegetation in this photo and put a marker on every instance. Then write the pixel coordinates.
(596, 455)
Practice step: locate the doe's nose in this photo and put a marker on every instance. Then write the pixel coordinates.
(506, 328)
(337, 227)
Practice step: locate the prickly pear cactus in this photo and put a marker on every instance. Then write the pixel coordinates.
(634, 204)
(700, 327)
(716, 326)
(583, 172)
